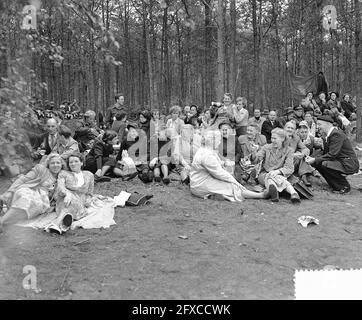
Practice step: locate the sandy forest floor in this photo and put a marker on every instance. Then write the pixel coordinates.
(226, 255)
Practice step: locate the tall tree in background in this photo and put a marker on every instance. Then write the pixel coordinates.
(220, 50)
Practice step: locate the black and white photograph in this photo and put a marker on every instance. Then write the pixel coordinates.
(180, 150)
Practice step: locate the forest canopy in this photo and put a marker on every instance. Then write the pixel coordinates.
(164, 52)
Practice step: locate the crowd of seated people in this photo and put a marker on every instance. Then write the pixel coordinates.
(218, 151)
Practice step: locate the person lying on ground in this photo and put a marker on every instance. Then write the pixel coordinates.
(209, 179)
(339, 159)
(99, 160)
(32, 194)
(245, 159)
(276, 166)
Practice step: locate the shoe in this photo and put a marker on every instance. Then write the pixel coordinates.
(158, 179)
(273, 193)
(67, 220)
(186, 181)
(306, 181)
(1, 206)
(166, 180)
(344, 190)
(216, 197)
(295, 198)
(101, 179)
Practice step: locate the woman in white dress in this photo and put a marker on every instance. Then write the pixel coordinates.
(209, 179)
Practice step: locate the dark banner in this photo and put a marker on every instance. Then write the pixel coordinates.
(300, 85)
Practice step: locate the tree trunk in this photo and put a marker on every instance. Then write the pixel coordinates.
(220, 51)
(233, 65)
(358, 72)
(208, 53)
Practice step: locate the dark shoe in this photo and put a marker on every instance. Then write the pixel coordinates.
(158, 179)
(1, 206)
(344, 190)
(101, 179)
(217, 197)
(186, 181)
(150, 176)
(67, 220)
(295, 198)
(273, 193)
(306, 181)
(143, 177)
(166, 180)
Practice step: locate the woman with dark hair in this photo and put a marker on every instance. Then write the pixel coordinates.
(348, 107)
(144, 122)
(308, 103)
(98, 160)
(75, 191)
(31, 195)
(333, 101)
(276, 166)
(65, 145)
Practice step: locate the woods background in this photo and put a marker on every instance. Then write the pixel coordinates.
(164, 52)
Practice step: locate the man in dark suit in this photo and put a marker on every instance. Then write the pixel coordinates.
(269, 125)
(339, 158)
(49, 139)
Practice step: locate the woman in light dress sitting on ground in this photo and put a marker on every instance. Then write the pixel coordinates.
(208, 179)
(277, 164)
(75, 191)
(32, 194)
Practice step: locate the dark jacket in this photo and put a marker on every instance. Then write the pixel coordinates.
(85, 135)
(338, 151)
(99, 151)
(112, 111)
(348, 108)
(267, 128)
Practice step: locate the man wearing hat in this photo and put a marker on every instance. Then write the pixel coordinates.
(298, 114)
(288, 116)
(339, 158)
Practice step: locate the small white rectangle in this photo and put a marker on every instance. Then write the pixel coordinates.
(328, 285)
